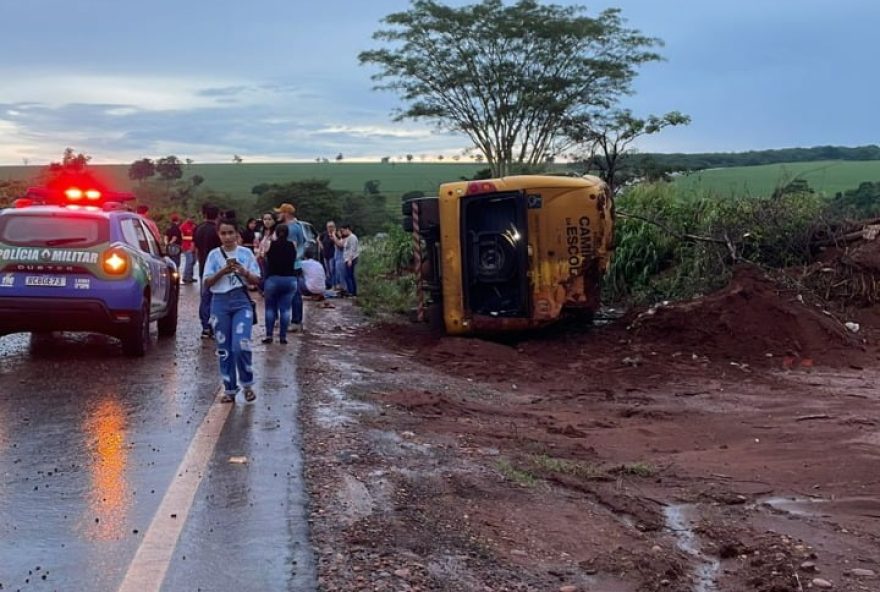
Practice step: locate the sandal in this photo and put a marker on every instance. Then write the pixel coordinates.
(249, 394)
(227, 398)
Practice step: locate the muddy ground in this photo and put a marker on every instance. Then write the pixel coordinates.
(731, 443)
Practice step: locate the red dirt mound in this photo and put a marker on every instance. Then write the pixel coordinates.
(749, 319)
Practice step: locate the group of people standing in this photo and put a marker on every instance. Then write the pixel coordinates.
(272, 255)
(180, 247)
(339, 254)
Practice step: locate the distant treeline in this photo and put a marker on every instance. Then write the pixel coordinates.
(695, 162)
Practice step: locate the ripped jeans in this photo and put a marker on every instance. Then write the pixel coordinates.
(232, 321)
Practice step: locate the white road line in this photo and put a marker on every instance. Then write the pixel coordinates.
(150, 564)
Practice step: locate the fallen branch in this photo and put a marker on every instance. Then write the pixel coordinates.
(664, 228)
(850, 236)
(836, 240)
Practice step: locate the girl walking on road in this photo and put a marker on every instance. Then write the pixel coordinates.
(280, 283)
(229, 270)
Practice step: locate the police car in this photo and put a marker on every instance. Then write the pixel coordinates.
(74, 259)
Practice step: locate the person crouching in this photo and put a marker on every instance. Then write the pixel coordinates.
(314, 276)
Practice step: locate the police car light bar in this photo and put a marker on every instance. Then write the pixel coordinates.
(76, 195)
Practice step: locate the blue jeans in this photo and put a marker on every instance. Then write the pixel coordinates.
(350, 281)
(278, 291)
(296, 303)
(339, 262)
(232, 321)
(188, 265)
(330, 273)
(205, 307)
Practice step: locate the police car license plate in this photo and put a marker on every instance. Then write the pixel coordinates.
(54, 281)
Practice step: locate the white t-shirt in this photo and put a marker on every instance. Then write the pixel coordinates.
(313, 274)
(352, 248)
(216, 261)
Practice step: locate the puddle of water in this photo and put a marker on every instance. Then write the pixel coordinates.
(797, 506)
(627, 520)
(346, 403)
(865, 507)
(330, 417)
(681, 526)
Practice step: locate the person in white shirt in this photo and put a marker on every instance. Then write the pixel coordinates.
(314, 275)
(229, 270)
(350, 255)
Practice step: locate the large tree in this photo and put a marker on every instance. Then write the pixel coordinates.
(169, 168)
(512, 78)
(607, 139)
(70, 162)
(141, 169)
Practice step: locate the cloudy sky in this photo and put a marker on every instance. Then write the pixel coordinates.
(278, 80)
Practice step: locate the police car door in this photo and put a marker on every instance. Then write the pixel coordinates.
(136, 236)
(160, 275)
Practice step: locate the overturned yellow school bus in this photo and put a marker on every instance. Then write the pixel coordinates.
(512, 253)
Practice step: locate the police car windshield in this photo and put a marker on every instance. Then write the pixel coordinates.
(50, 231)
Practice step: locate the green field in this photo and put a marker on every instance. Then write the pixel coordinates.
(238, 179)
(826, 177)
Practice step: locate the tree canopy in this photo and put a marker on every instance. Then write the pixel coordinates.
(70, 162)
(317, 202)
(169, 168)
(512, 78)
(141, 169)
(608, 137)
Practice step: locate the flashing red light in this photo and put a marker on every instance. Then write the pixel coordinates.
(475, 187)
(22, 202)
(77, 194)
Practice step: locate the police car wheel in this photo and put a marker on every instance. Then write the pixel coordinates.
(137, 335)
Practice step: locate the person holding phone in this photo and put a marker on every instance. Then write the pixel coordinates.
(229, 270)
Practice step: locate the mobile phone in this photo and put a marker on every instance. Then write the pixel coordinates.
(231, 261)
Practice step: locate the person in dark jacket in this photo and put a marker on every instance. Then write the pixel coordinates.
(174, 240)
(328, 253)
(280, 283)
(249, 234)
(206, 240)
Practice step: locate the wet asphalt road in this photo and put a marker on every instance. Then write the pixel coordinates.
(91, 441)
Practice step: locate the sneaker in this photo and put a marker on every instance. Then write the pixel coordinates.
(249, 394)
(227, 398)
(269, 340)
(207, 334)
(283, 341)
